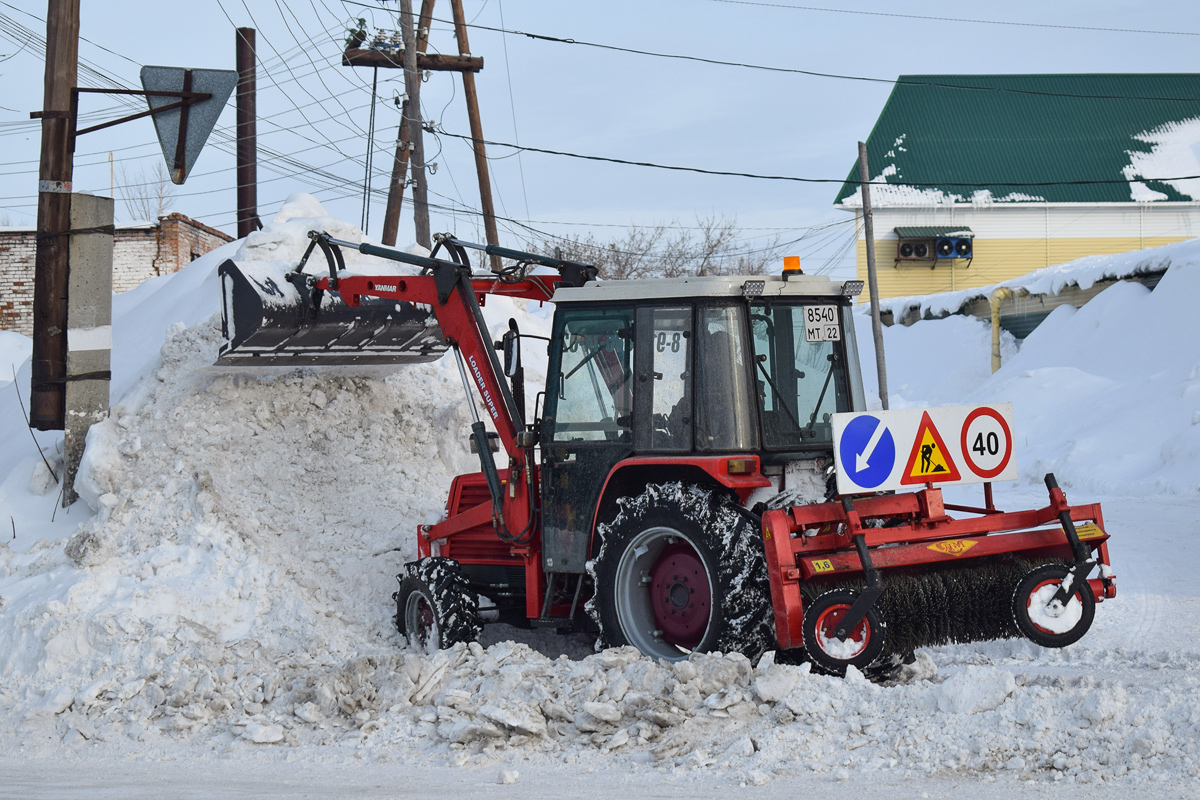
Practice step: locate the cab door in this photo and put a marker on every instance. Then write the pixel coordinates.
(587, 427)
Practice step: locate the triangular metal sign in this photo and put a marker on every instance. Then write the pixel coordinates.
(199, 118)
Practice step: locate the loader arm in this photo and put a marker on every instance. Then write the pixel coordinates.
(461, 321)
(455, 296)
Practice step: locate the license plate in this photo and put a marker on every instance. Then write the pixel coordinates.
(821, 324)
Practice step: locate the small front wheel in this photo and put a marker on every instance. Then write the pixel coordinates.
(830, 654)
(1043, 619)
(435, 607)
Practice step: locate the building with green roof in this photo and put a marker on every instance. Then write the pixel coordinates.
(977, 179)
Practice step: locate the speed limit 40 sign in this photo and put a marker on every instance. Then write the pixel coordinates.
(887, 450)
(987, 441)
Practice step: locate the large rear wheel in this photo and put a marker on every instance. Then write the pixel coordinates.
(681, 570)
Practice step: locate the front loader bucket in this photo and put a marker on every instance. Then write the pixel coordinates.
(269, 322)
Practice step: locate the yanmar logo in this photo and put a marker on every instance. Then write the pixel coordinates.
(384, 287)
(953, 547)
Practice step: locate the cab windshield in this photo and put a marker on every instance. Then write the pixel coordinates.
(800, 370)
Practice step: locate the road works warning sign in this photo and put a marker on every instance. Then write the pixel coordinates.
(885, 450)
(930, 460)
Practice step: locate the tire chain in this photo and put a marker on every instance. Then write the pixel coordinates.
(455, 605)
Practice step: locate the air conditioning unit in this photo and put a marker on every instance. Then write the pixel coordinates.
(952, 247)
(914, 250)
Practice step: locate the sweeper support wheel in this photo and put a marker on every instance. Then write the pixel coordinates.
(830, 654)
(1043, 619)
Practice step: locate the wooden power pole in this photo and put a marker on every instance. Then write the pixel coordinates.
(864, 179)
(247, 139)
(49, 364)
(391, 217)
(481, 164)
(406, 139)
(412, 119)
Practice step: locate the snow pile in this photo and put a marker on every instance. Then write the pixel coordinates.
(14, 350)
(1107, 396)
(240, 523)
(930, 363)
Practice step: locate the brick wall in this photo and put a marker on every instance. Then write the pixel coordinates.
(134, 251)
(16, 281)
(183, 240)
(139, 252)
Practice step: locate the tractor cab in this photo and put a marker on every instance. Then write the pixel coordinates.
(720, 381)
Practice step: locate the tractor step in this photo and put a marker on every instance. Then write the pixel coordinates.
(552, 622)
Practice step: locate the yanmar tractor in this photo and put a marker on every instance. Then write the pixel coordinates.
(674, 489)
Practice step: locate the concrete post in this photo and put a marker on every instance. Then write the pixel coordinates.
(89, 327)
(864, 179)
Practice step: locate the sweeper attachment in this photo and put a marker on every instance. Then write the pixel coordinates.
(674, 488)
(866, 581)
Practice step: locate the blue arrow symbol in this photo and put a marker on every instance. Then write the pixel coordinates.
(868, 451)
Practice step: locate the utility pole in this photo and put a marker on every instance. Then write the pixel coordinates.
(247, 138)
(481, 164)
(412, 118)
(864, 178)
(391, 217)
(406, 141)
(47, 405)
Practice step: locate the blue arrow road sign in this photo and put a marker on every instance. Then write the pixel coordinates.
(867, 451)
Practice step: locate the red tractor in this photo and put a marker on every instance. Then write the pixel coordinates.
(674, 488)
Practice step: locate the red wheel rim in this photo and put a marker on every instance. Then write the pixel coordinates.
(680, 596)
(1029, 604)
(827, 625)
(424, 621)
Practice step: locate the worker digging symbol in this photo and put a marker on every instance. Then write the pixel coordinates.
(929, 461)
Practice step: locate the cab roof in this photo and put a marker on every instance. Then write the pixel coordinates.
(773, 286)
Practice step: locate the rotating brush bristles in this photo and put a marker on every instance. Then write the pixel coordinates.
(951, 603)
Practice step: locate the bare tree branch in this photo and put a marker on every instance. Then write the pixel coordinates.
(146, 194)
(712, 247)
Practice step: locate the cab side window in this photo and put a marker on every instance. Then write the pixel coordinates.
(594, 396)
(664, 378)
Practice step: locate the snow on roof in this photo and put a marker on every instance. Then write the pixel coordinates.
(1082, 272)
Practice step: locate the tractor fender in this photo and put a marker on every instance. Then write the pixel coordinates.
(632, 474)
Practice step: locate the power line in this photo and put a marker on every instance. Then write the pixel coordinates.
(955, 19)
(792, 178)
(819, 74)
(512, 105)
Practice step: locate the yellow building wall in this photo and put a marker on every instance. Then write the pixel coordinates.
(996, 260)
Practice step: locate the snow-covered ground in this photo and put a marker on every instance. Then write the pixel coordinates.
(215, 616)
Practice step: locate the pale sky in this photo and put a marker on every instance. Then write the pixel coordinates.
(570, 98)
